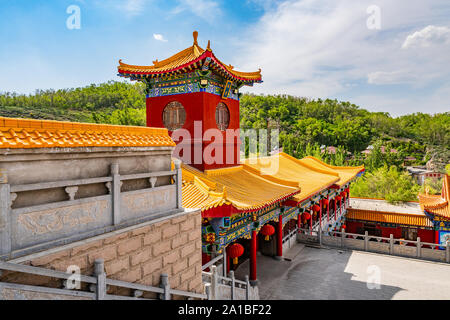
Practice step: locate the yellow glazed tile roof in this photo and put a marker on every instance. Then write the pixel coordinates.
(184, 59)
(389, 217)
(235, 186)
(311, 174)
(181, 58)
(346, 174)
(437, 204)
(25, 133)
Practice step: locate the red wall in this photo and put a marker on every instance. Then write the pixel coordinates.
(426, 235)
(386, 232)
(352, 226)
(199, 106)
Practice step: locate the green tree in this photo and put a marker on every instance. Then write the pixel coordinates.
(387, 183)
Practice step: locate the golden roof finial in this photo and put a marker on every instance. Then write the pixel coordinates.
(209, 46)
(195, 35)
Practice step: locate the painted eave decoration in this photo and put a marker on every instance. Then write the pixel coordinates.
(189, 59)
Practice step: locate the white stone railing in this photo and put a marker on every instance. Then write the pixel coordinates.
(329, 222)
(32, 227)
(365, 242)
(228, 288)
(98, 286)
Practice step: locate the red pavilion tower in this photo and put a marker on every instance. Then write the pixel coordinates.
(195, 91)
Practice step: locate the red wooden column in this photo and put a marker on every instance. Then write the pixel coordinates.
(253, 248)
(436, 238)
(205, 259)
(279, 238)
(320, 213)
(328, 208)
(334, 209)
(299, 221)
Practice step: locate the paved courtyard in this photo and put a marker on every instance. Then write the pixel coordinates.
(334, 274)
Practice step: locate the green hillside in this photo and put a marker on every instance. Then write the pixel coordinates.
(306, 127)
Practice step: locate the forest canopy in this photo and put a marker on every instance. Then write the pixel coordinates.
(306, 126)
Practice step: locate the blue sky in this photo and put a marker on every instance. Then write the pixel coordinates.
(394, 57)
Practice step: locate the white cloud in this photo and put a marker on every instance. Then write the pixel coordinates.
(159, 37)
(391, 77)
(428, 36)
(324, 49)
(134, 6)
(205, 9)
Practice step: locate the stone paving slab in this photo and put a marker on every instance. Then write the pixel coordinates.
(334, 274)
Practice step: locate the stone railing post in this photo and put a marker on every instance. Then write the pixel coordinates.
(178, 181)
(208, 291)
(99, 272)
(419, 246)
(391, 244)
(214, 283)
(166, 286)
(115, 192)
(247, 288)
(233, 283)
(224, 262)
(342, 237)
(366, 240)
(5, 214)
(447, 252)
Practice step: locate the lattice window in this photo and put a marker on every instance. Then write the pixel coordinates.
(222, 116)
(174, 116)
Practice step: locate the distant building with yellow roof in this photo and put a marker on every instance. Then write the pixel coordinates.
(437, 209)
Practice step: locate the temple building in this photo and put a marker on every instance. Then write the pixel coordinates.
(246, 205)
(427, 219)
(437, 209)
(379, 218)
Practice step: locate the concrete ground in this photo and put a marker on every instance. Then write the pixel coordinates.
(316, 273)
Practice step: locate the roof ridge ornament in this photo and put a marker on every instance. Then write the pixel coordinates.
(208, 47)
(195, 35)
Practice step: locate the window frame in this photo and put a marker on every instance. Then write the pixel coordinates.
(221, 110)
(176, 114)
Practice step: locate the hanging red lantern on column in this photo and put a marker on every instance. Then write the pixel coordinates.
(338, 198)
(234, 251)
(316, 207)
(267, 230)
(324, 203)
(306, 216)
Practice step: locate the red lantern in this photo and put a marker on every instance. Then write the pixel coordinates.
(324, 203)
(306, 216)
(234, 251)
(316, 207)
(267, 230)
(338, 198)
(344, 226)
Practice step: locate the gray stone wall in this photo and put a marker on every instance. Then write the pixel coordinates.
(52, 197)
